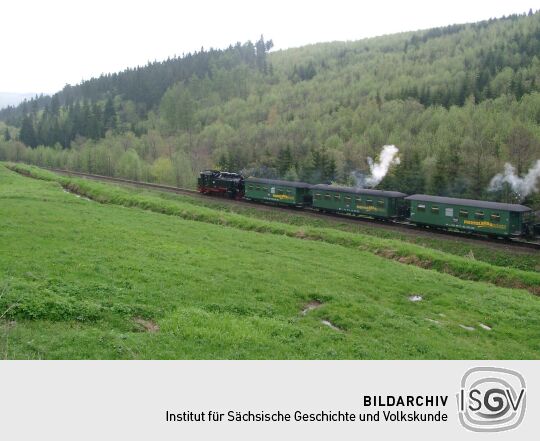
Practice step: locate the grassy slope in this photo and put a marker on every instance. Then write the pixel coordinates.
(527, 260)
(80, 272)
(465, 268)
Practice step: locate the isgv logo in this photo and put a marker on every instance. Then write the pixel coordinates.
(491, 399)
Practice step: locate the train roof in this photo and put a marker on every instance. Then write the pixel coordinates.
(278, 182)
(222, 174)
(367, 191)
(469, 203)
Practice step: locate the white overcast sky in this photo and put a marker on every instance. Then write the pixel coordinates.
(46, 44)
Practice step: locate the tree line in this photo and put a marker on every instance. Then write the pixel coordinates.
(145, 85)
(458, 102)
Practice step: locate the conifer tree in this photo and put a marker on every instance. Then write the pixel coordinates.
(109, 115)
(284, 160)
(27, 134)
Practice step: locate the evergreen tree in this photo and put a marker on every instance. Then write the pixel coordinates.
(7, 136)
(85, 122)
(323, 167)
(330, 170)
(438, 185)
(27, 134)
(95, 124)
(284, 160)
(109, 115)
(261, 49)
(55, 106)
(291, 175)
(408, 177)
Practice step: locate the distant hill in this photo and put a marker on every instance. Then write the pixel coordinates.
(13, 99)
(457, 101)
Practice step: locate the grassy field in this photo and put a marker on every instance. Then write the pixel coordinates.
(524, 259)
(191, 208)
(80, 279)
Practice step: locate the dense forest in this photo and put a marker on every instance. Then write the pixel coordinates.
(458, 102)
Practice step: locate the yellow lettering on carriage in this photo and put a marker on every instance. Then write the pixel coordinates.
(484, 224)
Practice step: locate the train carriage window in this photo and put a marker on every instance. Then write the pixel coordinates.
(479, 215)
(289, 191)
(369, 201)
(327, 196)
(318, 196)
(347, 199)
(496, 217)
(381, 202)
(258, 188)
(435, 209)
(449, 212)
(250, 187)
(421, 207)
(337, 197)
(463, 213)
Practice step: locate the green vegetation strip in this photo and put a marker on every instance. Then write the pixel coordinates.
(403, 252)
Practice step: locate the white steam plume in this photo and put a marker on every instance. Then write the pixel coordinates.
(378, 170)
(521, 186)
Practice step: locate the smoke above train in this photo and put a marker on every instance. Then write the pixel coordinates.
(377, 169)
(521, 186)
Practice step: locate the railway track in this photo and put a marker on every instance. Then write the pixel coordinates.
(405, 226)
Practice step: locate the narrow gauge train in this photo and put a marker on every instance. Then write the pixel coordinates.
(222, 183)
(490, 218)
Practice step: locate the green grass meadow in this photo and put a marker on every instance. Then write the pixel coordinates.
(525, 259)
(81, 279)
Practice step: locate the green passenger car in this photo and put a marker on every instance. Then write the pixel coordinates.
(280, 192)
(358, 201)
(491, 218)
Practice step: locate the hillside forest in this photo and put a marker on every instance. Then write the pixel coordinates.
(458, 102)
